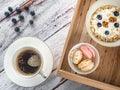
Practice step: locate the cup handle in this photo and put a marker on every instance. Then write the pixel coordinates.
(42, 74)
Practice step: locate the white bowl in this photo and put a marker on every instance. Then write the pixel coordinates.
(77, 70)
(91, 10)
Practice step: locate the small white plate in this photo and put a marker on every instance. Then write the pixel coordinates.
(28, 42)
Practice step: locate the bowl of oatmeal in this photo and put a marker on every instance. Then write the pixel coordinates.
(103, 22)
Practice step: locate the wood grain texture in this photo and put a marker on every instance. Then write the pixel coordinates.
(107, 74)
(51, 25)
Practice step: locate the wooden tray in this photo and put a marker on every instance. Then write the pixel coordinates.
(107, 75)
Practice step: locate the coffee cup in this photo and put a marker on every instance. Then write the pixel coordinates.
(38, 55)
(24, 46)
(21, 65)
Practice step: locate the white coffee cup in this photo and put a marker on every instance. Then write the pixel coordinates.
(17, 68)
(19, 46)
(40, 75)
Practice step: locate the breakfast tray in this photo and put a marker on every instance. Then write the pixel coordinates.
(107, 75)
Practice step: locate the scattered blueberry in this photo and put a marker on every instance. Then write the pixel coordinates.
(17, 29)
(18, 10)
(107, 32)
(99, 17)
(26, 8)
(14, 20)
(31, 22)
(116, 25)
(10, 9)
(32, 13)
(21, 17)
(116, 13)
(6, 14)
(99, 24)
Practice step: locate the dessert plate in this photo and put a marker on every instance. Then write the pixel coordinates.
(46, 55)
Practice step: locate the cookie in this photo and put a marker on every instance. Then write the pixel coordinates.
(76, 56)
(87, 51)
(86, 65)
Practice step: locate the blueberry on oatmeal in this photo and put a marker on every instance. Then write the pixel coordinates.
(107, 32)
(116, 25)
(116, 13)
(99, 17)
(99, 24)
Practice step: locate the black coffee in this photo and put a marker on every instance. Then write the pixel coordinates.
(22, 60)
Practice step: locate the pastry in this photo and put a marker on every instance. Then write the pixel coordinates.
(76, 56)
(86, 65)
(87, 51)
(105, 23)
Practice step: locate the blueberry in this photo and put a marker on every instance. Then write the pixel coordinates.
(99, 17)
(6, 14)
(116, 25)
(32, 13)
(107, 32)
(10, 9)
(31, 22)
(116, 13)
(14, 20)
(26, 8)
(18, 10)
(21, 17)
(17, 29)
(99, 24)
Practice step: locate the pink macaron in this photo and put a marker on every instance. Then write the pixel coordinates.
(87, 51)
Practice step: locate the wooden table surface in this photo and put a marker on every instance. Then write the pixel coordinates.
(51, 25)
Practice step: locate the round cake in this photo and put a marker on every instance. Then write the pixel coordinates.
(105, 23)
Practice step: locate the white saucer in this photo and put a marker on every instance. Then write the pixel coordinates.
(45, 52)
